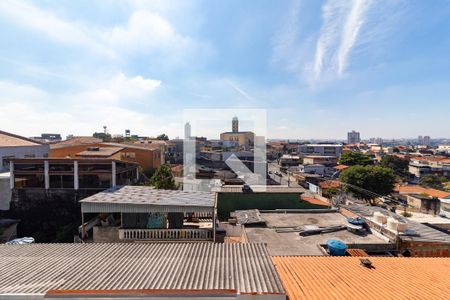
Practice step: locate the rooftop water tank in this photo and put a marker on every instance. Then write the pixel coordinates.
(402, 226)
(392, 224)
(336, 247)
(379, 218)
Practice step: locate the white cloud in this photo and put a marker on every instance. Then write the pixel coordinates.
(29, 110)
(46, 22)
(133, 87)
(144, 31)
(333, 15)
(239, 90)
(285, 43)
(347, 29)
(352, 27)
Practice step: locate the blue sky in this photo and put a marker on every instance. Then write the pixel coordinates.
(319, 68)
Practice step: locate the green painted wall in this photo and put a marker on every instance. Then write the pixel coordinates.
(229, 202)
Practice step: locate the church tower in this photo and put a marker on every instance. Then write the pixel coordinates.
(235, 125)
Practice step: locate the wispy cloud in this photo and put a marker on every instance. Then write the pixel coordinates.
(352, 27)
(239, 90)
(325, 55)
(285, 42)
(144, 31)
(333, 16)
(39, 20)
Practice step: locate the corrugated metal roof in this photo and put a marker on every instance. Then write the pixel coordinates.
(133, 199)
(37, 268)
(345, 278)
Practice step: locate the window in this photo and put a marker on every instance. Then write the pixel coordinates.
(128, 155)
(29, 181)
(89, 167)
(5, 161)
(98, 181)
(61, 167)
(29, 156)
(61, 181)
(39, 167)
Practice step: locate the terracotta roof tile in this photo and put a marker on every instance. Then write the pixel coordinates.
(12, 140)
(313, 200)
(77, 140)
(417, 189)
(357, 252)
(330, 184)
(341, 167)
(430, 158)
(345, 278)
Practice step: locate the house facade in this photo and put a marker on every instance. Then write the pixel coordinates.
(15, 146)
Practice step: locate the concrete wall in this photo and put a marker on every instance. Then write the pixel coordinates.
(9, 233)
(107, 234)
(47, 214)
(5, 192)
(22, 152)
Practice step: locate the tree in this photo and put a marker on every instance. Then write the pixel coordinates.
(399, 165)
(367, 182)
(163, 179)
(432, 181)
(396, 150)
(106, 137)
(329, 193)
(162, 137)
(354, 159)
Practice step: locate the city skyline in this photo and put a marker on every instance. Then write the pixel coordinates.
(320, 68)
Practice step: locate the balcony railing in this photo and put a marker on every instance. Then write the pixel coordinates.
(166, 234)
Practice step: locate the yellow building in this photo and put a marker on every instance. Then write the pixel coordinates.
(243, 138)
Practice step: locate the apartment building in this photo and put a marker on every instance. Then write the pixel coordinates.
(436, 165)
(353, 137)
(320, 149)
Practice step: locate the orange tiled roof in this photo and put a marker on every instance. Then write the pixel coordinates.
(77, 140)
(12, 140)
(357, 252)
(430, 158)
(341, 167)
(417, 189)
(313, 200)
(330, 184)
(329, 277)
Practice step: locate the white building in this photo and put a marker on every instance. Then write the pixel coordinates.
(444, 148)
(312, 169)
(353, 137)
(320, 149)
(420, 166)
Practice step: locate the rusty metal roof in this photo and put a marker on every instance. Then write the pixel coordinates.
(100, 152)
(176, 267)
(346, 278)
